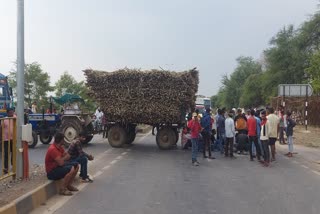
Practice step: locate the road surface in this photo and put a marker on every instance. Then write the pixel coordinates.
(141, 179)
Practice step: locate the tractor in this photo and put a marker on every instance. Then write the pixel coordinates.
(44, 125)
(73, 120)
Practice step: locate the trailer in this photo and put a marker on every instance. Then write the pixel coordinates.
(158, 98)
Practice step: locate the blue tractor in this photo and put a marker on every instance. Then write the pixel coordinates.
(44, 125)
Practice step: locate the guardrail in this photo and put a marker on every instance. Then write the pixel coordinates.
(8, 147)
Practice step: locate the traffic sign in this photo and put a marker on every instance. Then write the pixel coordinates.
(295, 90)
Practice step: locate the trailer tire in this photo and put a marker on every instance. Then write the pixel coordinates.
(166, 138)
(131, 137)
(34, 141)
(117, 136)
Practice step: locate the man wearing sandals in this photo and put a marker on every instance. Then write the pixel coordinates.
(78, 155)
(58, 167)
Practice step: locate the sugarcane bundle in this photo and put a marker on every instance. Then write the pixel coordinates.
(149, 97)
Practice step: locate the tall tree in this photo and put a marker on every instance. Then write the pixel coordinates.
(68, 84)
(233, 86)
(36, 86)
(313, 72)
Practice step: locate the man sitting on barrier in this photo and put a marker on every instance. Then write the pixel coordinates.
(78, 155)
(58, 167)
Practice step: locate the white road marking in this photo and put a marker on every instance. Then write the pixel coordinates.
(113, 162)
(119, 157)
(98, 174)
(124, 153)
(106, 167)
(316, 172)
(304, 166)
(296, 162)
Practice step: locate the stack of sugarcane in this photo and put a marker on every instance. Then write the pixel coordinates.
(149, 97)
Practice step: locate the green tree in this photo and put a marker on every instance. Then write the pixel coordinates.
(252, 93)
(68, 84)
(313, 72)
(232, 88)
(36, 86)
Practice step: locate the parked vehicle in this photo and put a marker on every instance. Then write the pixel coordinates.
(6, 96)
(44, 126)
(73, 120)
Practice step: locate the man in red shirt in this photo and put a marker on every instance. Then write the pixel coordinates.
(195, 128)
(252, 133)
(57, 166)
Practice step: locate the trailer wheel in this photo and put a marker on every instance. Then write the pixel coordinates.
(131, 137)
(34, 141)
(45, 137)
(117, 136)
(166, 138)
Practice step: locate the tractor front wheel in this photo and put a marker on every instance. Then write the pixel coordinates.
(34, 141)
(45, 137)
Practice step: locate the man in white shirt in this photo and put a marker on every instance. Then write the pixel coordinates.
(230, 133)
(273, 121)
(98, 120)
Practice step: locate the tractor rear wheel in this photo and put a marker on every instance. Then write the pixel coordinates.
(166, 138)
(71, 131)
(117, 136)
(34, 141)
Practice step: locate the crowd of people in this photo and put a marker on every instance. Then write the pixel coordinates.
(254, 132)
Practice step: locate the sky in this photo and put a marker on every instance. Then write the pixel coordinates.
(72, 35)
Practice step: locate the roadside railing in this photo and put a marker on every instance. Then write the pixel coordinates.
(8, 147)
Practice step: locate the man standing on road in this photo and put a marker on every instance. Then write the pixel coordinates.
(273, 121)
(252, 133)
(206, 132)
(240, 122)
(264, 137)
(230, 133)
(290, 124)
(78, 155)
(195, 128)
(222, 129)
(58, 167)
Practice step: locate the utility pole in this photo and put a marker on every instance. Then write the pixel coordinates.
(20, 85)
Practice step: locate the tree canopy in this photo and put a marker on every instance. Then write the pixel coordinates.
(36, 86)
(293, 57)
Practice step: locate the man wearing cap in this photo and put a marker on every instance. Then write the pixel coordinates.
(206, 132)
(195, 128)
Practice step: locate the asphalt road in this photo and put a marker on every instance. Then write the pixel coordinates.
(141, 179)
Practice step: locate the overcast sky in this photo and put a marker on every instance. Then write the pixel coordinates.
(71, 35)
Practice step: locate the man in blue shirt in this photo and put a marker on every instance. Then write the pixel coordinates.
(221, 130)
(206, 132)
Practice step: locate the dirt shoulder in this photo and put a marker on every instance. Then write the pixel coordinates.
(309, 138)
(13, 189)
